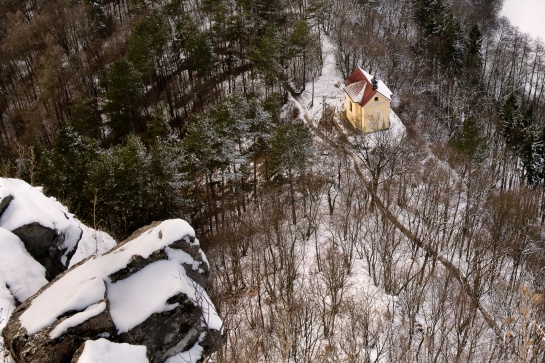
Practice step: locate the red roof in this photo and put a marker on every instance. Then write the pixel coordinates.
(360, 89)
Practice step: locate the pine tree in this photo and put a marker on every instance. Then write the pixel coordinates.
(85, 117)
(532, 153)
(148, 40)
(469, 142)
(430, 16)
(301, 39)
(125, 99)
(196, 47)
(157, 126)
(473, 58)
(290, 147)
(510, 116)
(452, 43)
(117, 179)
(269, 55)
(64, 170)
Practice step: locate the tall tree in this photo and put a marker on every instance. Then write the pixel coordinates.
(64, 170)
(125, 99)
(148, 40)
(473, 57)
(290, 151)
(468, 141)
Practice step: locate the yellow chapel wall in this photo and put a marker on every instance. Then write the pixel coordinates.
(376, 114)
(354, 113)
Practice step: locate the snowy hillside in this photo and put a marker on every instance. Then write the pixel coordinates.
(394, 255)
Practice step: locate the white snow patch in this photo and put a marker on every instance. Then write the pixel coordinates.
(77, 319)
(4, 192)
(22, 275)
(182, 257)
(160, 280)
(74, 291)
(104, 351)
(382, 88)
(328, 87)
(191, 355)
(92, 243)
(7, 304)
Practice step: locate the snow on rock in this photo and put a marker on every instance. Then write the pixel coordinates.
(51, 234)
(147, 291)
(104, 351)
(77, 319)
(29, 206)
(19, 272)
(189, 356)
(92, 243)
(20, 276)
(7, 304)
(37, 238)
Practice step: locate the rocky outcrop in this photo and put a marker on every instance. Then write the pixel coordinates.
(147, 291)
(40, 222)
(51, 235)
(45, 245)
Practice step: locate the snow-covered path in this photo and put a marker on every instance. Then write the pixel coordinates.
(328, 87)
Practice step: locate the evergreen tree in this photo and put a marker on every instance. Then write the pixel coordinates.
(268, 55)
(533, 155)
(452, 43)
(157, 127)
(125, 99)
(164, 199)
(196, 47)
(148, 40)
(64, 170)
(85, 117)
(511, 121)
(291, 147)
(118, 180)
(430, 16)
(301, 39)
(207, 150)
(469, 142)
(473, 57)
(134, 186)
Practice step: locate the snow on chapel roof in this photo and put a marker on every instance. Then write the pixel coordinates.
(356, 91)
(359, 87)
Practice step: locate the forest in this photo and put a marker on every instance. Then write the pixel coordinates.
(325, 245)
